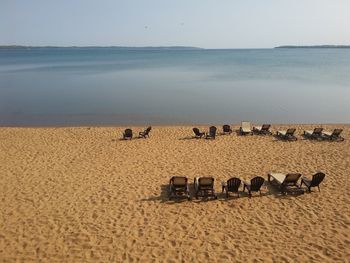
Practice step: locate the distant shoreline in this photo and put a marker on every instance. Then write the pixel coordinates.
(102, 47)
(317, 46)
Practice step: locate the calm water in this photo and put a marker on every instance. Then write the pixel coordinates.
(94, 86)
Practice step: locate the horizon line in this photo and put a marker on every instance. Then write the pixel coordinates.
(169, 47)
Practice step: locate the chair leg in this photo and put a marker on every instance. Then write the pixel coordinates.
(319, 188)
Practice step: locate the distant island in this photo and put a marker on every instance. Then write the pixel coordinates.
(102, 47)
(317, 46)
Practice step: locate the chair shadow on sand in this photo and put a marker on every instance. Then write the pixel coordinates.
(164, 196)
(273, 189)
(188, 138)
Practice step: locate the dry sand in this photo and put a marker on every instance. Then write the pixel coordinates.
(81, 194)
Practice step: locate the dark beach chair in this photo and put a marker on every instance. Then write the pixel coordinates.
(204, 187)
(333, 136)
(178, 187)
(315, 181)
(245, 128)
(263, 130)
(254, 186)
(232, 185)
(285, 181)
(314, 134)
(127, 135)
(145, 133)
(212, 133)
(197, 133)
(287, 135)
(226, 129)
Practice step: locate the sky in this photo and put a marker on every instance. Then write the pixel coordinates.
(200, 23)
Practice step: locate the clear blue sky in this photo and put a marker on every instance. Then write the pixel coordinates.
(202, 23)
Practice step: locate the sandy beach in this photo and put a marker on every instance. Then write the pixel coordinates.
(83, 195)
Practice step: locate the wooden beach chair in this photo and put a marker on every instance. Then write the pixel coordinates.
(263, 130)
(204, 187)
(313, 134)
(178, 187)
(245, 128)
(333, 136)
(212, 133)
(127, 135)
(285, 181)
(316, 180)
(145, 133)
(287, 135)
(197, 133)
(254, 185)
(226, 129)
(232, 185)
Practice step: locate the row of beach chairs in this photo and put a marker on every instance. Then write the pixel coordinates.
(246, 129)
(204, 186)
(289, 134)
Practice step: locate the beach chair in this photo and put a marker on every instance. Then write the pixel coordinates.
(178, 187)
(245, 128)
(287, 135)
(313, 134)
(254, 186)
(232, 185)
(212, 133)
(315, 181)
(197, 133)
(285, 180)
(145, 133)
(226, 129)
(263, 130)
(127, 135)
(333, 136)
(204, 187)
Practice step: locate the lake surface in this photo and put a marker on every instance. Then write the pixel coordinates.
(111, 86)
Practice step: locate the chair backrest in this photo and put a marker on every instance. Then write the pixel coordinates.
(246, 125)
(146, 132)
(196, 132)
(290, 131)
(317, 178)
(128, 133)
(291, 179)
(233, 184)
(256, 183)
(212, 131)
(179, 181)
(265, 127)
(226, 128)
(336, 132)
(317, 131)
(206, 183)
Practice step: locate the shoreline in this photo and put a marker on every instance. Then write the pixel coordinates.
(170, 125)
